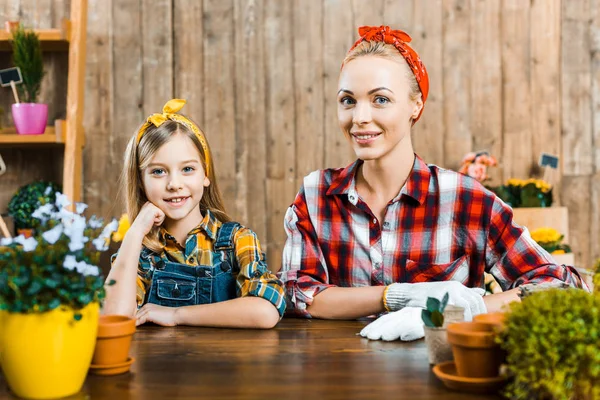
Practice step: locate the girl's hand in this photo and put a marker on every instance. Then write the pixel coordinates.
(149, 216)
(160, 315)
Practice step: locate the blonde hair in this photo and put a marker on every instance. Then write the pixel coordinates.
(384, 50)
(137, 158)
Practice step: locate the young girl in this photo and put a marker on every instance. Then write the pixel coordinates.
(388, 231)
(182, 261)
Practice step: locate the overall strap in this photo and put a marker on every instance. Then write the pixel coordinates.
(224, 243)
(225, 236)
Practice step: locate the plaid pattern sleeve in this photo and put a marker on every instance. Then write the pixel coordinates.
(514, 258)
(254, 278)
(144, 277)
(441, 226)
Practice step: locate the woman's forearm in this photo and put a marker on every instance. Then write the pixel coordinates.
(243, 312)
(347, 302)
(496, 302)
(121, 297)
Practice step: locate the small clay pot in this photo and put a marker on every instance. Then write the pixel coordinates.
(495, 319)
(114, 339)
(476, 353)
(26, 232)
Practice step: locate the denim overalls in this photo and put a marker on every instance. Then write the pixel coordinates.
(175, 285)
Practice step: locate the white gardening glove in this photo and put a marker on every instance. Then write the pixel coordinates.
(405, 325)
(400, 295)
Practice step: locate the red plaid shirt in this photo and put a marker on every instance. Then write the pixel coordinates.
(441, 226)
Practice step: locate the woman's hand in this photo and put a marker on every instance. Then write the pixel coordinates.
(149, 216)
(160, 315)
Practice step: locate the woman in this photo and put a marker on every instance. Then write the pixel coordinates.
(389, 230)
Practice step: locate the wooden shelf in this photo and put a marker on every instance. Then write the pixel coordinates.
(52, 135)
(51, 39)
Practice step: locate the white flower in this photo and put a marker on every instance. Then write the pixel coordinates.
(47, 191)
(95, 222)
(43, 213)
(53, 234)
(87, 269)
(62, 200)
(70, 262)
(5, 241)
(80, 207)
(28, 244)
(102, 241)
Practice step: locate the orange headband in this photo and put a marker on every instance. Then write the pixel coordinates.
(170, 113)
(399, 40)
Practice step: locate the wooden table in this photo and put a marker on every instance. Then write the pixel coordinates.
(299, 359)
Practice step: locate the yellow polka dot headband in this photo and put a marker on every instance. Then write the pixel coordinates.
(170, 113)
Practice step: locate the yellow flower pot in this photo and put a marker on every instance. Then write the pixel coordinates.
(47, 355)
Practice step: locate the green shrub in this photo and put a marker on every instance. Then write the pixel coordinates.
(27, 55)
(27, 199)
(552, 340)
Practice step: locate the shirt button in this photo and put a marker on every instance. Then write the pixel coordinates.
(191, 260)
(386, 224)
(257, 274)
(374, 220)
(377, 265)
(351, 197)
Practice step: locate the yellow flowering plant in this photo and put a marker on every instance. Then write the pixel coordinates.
(525, 193)
(550, 240)
(122, 229)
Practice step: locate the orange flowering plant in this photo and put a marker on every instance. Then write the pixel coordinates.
(475, 165)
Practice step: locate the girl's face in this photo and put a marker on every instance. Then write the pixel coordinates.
(374, 106)
(174, 181)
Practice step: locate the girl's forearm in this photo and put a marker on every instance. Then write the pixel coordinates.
(243, 312)
(347, 302)
(121, 297)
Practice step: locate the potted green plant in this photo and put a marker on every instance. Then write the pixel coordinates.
(436, 318)
(50, 294)
(552, 339)
(26, 200)
(30, 117)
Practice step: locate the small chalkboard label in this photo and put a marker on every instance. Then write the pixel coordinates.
(548, 160)
(10, 74)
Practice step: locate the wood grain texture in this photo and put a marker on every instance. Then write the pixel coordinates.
(576, 85)
(486, 81)
(338, 35)
(517, 142)
(457, 83)
(428, 133)
(298, 359)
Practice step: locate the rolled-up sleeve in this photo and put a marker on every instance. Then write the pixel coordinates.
(304, 271)
(143, 280)
(514, 258)
(254, 278)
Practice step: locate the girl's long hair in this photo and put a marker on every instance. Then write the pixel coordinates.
(137, 158)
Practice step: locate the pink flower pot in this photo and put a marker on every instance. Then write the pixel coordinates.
(30, 118)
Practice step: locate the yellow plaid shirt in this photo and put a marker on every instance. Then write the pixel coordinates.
(252, 279)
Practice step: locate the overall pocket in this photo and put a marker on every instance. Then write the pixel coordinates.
(173, 290)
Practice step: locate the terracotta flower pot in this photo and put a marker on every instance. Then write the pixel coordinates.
(27, 232)
(475, 351)
(114, 338)
(495, 319)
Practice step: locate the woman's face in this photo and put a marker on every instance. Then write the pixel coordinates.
(374, 107)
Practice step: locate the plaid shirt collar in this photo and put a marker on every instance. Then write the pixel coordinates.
(416, 186)
(209, 225)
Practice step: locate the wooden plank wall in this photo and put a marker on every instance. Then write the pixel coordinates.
(514, 77)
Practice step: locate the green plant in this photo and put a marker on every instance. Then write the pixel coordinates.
(524, 193)
(596, 278)
(433, 315)
(27, 55)
(552, 339)
(27, 199)
(58, 265)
